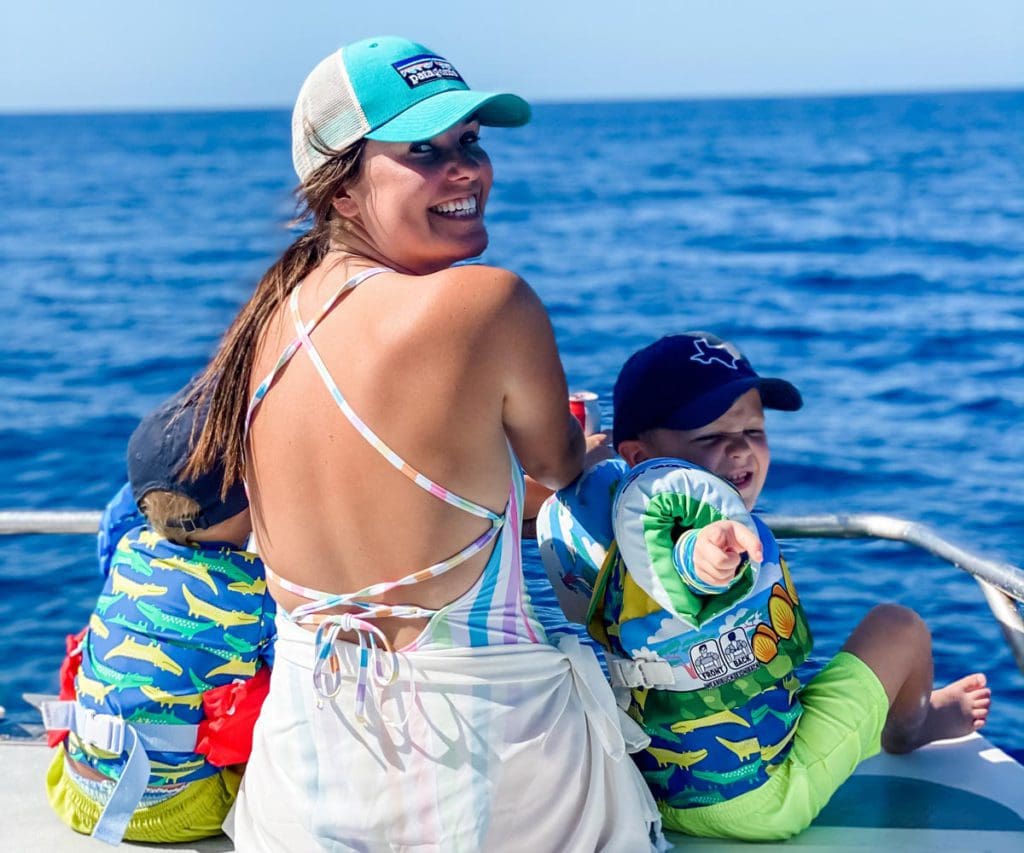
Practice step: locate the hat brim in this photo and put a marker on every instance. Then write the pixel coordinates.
(438, 113)
(775, 394)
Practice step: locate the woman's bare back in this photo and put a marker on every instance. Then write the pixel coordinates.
(430, 363)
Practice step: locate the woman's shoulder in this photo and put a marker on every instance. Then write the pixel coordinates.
(485, 281)
(482, 294)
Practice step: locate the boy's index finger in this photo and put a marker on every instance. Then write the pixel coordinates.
(748, 541)
(726, 535)
(738, 538)
(719, 535)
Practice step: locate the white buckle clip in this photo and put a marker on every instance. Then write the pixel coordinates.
(640, 673)
(103, 731)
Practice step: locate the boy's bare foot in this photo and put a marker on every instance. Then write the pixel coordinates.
(953, 711)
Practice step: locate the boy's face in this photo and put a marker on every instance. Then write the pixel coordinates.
(734, 447)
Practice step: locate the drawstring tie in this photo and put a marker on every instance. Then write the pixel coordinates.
(328, 667)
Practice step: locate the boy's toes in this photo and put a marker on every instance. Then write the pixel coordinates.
(970, 683)
(979, 702)
(974, 681)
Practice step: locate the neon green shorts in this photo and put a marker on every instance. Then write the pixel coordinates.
(196, 812)
(845, 707)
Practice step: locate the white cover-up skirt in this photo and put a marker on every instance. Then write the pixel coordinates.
(515, 748)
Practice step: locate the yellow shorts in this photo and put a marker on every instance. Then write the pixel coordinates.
(845, 708)
(196, 812)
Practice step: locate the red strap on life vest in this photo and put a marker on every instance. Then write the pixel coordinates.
(68, 670)
(230, 711)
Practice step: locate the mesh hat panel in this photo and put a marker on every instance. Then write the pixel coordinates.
(327, 108)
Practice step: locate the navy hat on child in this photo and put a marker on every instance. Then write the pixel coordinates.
(157, 453)
(686, 381)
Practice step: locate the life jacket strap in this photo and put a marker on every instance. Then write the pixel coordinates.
(102, 731)
(114, 734)
(625, 672)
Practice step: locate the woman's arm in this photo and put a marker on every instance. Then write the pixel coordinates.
(545, 436)
(598, 450)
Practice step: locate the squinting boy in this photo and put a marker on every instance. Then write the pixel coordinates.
(701, 619)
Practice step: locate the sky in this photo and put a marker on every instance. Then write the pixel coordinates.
(59, 55)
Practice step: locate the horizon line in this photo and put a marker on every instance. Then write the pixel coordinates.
(1009, 88)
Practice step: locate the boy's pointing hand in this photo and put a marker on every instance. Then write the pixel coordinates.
(721, 548)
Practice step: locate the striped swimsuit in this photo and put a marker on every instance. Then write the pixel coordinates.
(468, 738)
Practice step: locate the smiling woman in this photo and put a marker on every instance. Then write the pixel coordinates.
(428, 198)
(416, 700)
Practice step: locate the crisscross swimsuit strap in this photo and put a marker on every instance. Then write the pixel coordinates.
(326, 670)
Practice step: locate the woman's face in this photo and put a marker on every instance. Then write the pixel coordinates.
(421, 204)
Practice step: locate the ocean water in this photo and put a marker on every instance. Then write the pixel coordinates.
(869, 249)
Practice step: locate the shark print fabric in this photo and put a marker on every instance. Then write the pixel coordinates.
(172, 623)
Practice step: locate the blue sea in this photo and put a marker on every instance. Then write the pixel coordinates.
(869, 249)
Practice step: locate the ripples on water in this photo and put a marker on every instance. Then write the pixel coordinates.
(869, 249)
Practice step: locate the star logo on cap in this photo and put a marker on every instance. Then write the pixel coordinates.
(708, 352)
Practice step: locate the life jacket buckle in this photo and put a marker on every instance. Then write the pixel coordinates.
(103, 731)
(626, 672)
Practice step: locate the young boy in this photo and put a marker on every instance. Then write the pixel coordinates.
(701, 619)
(162, 688)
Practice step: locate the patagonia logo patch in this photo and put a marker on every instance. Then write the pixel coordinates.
(426, 68)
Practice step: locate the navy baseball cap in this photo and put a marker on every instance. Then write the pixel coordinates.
(686, 381)
(158, 451)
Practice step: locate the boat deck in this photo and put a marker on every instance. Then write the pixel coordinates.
(961, 795)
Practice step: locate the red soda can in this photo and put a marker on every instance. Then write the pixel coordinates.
(585, 408)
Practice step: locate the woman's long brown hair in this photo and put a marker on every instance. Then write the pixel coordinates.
(224, 384)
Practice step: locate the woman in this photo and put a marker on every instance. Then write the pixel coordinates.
(368, 355)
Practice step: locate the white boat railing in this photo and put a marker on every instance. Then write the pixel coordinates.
(47, 521)
(1001, 583)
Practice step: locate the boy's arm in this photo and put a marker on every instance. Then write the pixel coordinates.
(120, 515)
(574, 533)
(660, 517)
(711, 558)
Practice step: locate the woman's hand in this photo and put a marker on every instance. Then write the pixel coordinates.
(599, 449)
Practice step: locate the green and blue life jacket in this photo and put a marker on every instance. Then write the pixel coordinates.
(710, 677)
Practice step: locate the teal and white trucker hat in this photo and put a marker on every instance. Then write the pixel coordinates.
(392, 90)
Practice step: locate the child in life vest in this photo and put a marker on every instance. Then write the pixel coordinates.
(703, 625)
(161, 690)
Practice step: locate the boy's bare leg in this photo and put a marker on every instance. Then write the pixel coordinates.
(896, 644)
